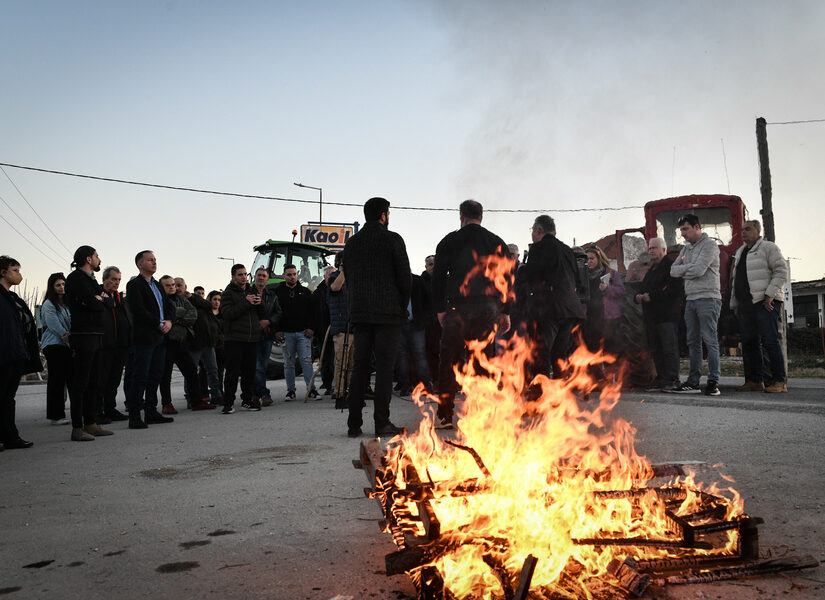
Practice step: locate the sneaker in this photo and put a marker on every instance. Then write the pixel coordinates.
(313, 393)
(63, 421)
(653, 388)
(266, 401)
(686, 388)
(96, 430)
(251, 404)
(389, 430)
(228, 409)
(78, 435)
(712, 389)
(168, 409)
(290, 396)
(777, 387)
(203, 405)
(444, 424)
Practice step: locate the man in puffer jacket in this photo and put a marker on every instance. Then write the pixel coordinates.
(758, 289)
(698, 265)
(242, 312)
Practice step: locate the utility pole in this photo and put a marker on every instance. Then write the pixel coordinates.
(765, 179)
(767, 217)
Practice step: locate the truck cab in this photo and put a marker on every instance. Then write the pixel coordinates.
(309, 259)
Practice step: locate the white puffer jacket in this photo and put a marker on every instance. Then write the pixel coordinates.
(767, 272)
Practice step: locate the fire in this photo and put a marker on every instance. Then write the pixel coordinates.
(549, 478)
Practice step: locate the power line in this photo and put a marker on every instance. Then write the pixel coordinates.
(35, 211)
(298, 200)
(30, 242)
(45, 243)
(797, 122)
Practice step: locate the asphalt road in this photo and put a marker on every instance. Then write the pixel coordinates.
(267, 504)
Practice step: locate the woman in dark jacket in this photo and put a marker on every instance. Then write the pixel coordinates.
(19, 353)
(57, 322)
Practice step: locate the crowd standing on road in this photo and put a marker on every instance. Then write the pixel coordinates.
(372, 315)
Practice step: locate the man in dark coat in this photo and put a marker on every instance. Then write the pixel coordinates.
(547, 283)
(271, 307)
(117, 337)
(152, 315)
(242, 312)
(85, 302)
(378, 283)
(468, 309)
(296, 330)
(413, 344)
(660, 295)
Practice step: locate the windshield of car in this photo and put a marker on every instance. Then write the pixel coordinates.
(716, 222)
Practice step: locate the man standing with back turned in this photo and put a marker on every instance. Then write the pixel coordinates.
(378, 282)
(698, 265)
(465, 312)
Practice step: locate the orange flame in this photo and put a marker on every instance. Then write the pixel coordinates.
(546, 462)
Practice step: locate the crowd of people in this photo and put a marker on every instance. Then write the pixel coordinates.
(372, 315)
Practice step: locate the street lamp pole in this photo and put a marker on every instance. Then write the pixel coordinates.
(320, 200)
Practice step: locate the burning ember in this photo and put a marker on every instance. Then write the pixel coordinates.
(547, 498)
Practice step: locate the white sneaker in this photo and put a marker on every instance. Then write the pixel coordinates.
(63, 421)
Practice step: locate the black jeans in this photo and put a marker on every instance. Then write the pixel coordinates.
(112, 361)
(59, 361)
(381, 340)
(552, 344)
(179, 355)
(86, 351)
(241, 360)
(663, 345)
(10, 374)
(463, 323)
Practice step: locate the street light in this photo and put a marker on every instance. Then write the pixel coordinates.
(225, 258)
(320, 200)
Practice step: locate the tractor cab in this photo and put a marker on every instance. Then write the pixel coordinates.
(309, 259)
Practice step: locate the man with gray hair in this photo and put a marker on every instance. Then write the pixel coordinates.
(758, 289)
(660, 295)
(117, 337)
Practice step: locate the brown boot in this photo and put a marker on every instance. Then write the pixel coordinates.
(78, 435)
(776, 387)
(751, 386)
(96, 430)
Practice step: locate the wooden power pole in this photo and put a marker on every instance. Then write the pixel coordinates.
(765, 179)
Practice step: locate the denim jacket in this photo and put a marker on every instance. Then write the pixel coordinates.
(56, 321)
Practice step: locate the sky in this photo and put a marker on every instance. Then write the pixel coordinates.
(539, 105)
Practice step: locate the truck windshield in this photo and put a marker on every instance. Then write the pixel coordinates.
(716, 222)
(310, 264)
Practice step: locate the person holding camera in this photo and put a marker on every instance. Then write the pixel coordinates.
(242, 312)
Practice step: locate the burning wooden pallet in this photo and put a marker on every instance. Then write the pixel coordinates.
(704, 544)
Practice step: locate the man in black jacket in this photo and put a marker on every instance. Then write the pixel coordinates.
(243, 313)
(661, 296)
(296, 330)
(378, 283)
(272, 309)
(413, 343)
(117, 337)
(466, 301)
(547, 283)
(85, 302)
(152, 316)
(202, 347)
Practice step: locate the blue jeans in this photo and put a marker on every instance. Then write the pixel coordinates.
(758, 324)
(259, 385)
(295, 342)
(144, 369)
(412, 343)
(701, 319)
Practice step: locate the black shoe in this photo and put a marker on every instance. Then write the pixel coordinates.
(354, 433)
(137, 424)
(228, 409)
(313, 393)
(157, 419)
(18, 443)
(389, 430)
(115, 415)
(102, 419)
(712, 389)
(686, 388)
(290, 396)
